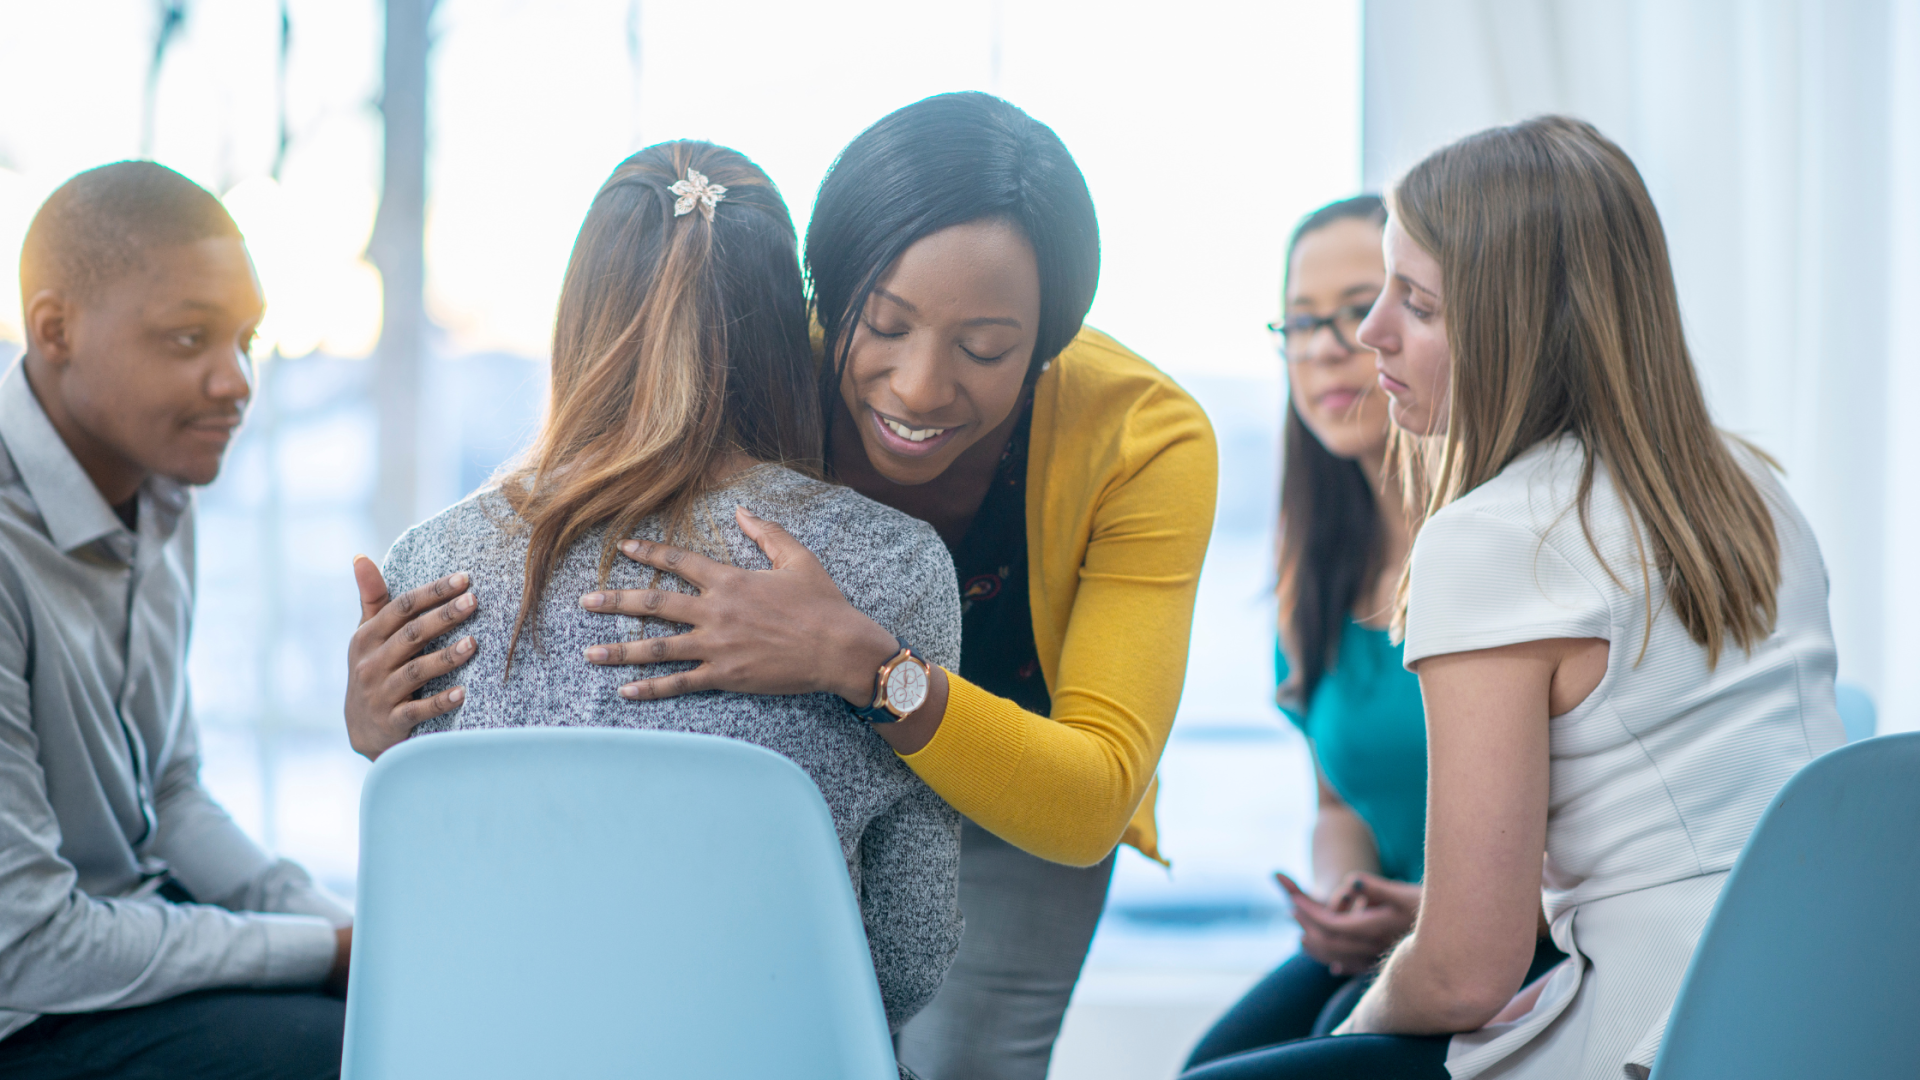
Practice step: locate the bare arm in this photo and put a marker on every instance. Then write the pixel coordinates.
(1487, 734)
(1343, 844)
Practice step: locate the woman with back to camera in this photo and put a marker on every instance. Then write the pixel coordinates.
(1618, 618)
(1344, 536)
(953, 253)
(681, 389)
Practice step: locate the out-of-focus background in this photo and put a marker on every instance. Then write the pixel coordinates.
(409, 175)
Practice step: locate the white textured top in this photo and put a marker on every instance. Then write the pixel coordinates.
(1662, 772)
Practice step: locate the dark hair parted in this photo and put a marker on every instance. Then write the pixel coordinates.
(677, 340)
(943, 161)
(95, 227)
(1330, 542)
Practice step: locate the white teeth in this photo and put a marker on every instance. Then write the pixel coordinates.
(911, 434)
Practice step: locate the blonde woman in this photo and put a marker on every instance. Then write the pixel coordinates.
(1618, 617)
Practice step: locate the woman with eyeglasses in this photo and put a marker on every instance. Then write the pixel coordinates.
(1343, 539)
(1617, 613)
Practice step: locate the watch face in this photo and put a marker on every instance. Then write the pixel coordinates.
(906, 687)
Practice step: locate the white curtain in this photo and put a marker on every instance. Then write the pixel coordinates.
(1781, 140)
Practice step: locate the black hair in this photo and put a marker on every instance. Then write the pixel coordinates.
(1330, 542)
(96, 227)
(943, 161)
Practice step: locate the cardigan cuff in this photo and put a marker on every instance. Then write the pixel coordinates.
(972, 756)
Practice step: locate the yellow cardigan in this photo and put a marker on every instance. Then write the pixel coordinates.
(1121, 478)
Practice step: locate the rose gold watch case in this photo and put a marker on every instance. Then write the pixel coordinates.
(885, 698)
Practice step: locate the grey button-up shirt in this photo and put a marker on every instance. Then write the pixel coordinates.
(100, 793)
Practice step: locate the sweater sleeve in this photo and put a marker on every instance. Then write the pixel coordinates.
(1065, 787)
(910, 900)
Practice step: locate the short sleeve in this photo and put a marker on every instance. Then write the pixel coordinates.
(1480, 581)
(1290, 707)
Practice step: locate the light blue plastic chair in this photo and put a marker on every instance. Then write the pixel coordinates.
(1810, 963)
(1857, 713)
(593, 903)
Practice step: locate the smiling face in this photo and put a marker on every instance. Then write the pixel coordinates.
(151, 374)
(940, 355)
(1407, 329)
(1337, 270)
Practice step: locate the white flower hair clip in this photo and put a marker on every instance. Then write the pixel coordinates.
(696, 191)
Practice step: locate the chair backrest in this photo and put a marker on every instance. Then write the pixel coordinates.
(1857, 713)
(1810, 963)
(601, 903)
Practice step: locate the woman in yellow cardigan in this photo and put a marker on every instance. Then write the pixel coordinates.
(953, 253)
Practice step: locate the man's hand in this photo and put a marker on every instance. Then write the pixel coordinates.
(384, 665)
(336, 983)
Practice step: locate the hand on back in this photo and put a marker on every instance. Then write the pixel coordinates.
(783, 630)
(384, 665)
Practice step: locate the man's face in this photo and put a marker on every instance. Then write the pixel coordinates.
(156, 365)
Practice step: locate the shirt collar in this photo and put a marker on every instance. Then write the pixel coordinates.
(73, 510)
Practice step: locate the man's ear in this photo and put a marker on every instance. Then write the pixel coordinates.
(49, 316)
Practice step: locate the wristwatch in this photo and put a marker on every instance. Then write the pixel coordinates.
(899, 688)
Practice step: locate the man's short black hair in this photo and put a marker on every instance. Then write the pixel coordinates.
(97, 226)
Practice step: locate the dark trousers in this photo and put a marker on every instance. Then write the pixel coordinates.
(210, 1035)
(1277, 1029)
(1336, 1057)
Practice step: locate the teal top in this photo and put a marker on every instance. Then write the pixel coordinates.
(1369, 734)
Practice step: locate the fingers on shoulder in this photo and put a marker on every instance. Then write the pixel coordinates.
(691, 681)
(420, 710)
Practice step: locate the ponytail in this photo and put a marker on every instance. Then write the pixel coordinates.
(679, 338)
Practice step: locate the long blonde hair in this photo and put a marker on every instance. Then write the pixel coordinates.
(1562, 318)
(680, 337)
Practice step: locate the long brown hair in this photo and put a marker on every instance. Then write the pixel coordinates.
(1330, 543)
(678, 339)
(1562, 318)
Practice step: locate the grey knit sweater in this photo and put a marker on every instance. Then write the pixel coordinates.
(900, 840)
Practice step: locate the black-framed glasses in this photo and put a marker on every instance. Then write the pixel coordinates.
(1292, 333)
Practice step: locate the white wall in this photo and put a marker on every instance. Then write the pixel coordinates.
(1781, 141)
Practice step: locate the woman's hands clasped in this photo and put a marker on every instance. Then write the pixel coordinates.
(786, 630)
(1349, 932)
(384, 665)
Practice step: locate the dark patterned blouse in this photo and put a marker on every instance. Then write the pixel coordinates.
(997, 652)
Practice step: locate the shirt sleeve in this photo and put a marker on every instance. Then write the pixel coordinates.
(1294, 711)
(217, 862)
(63, 950)
(1066, 787)
(1480, 581)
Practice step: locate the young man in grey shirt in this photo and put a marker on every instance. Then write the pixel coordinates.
(141, 932)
